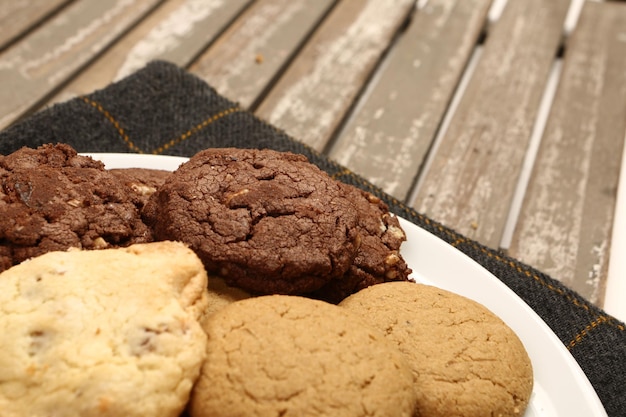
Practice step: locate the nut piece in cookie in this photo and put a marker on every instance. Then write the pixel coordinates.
(53, 199)
(102, 333)
(142, 181)
(280, 355)
(266, 221)
(378, 258)
(466, 360)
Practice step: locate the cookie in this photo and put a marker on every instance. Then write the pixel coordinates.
(466, 360)
(53, 199)
(221, 294)
(102, 333)
(378, 258)
(267, 222)
(281, 355)
(142, 181)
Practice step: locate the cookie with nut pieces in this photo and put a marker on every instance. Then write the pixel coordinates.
(265, 221)
(54, 199)
(142, 181)
(378, 258)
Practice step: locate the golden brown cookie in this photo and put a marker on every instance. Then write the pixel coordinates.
(102, 333)
(292, 356)
(467, 361)
(221, 294)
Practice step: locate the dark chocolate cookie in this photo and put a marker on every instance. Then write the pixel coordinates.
(266, 221)
(378, 259)
(54, 199)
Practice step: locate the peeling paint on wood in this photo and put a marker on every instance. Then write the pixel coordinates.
(177, 32)
(387, 139)
(312, 97)
(473, 175)
(168, 38)
(565, 224)
(248, 56)
(17, 17)
(60, 48)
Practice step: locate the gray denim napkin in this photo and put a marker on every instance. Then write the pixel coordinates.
(162, 109)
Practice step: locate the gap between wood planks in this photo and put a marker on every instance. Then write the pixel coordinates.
(494, 13)
(49, 14)
(40, 103)
(371, 80)
(540, 122)
(270, 85)
(540, 125)
(200, 52)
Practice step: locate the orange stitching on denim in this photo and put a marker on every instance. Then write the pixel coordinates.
(457, 242)
(195, 129)
(551, 287)
(591, 326)
(344, 171)
(114, 122)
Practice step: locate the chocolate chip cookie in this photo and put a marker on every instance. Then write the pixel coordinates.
(266, 221)
(53, 199)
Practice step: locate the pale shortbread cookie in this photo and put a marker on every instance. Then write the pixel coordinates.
(291, 356)
(467, 361)
(113, 332)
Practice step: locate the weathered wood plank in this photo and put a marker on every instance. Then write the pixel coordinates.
(311, 98)
(388, 138)
(565, 223)
(471, 181)
(55, 51)
(250, 54)
(177, 31)
(18, 17)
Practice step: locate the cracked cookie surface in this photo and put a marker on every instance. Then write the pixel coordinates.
(291, 356)
(102, 333)
(378, 258)
(266, 221)
(53, 199)
(467, 361)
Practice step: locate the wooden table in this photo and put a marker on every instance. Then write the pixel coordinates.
(504, 120)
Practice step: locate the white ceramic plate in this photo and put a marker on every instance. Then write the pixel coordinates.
(561, 388)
